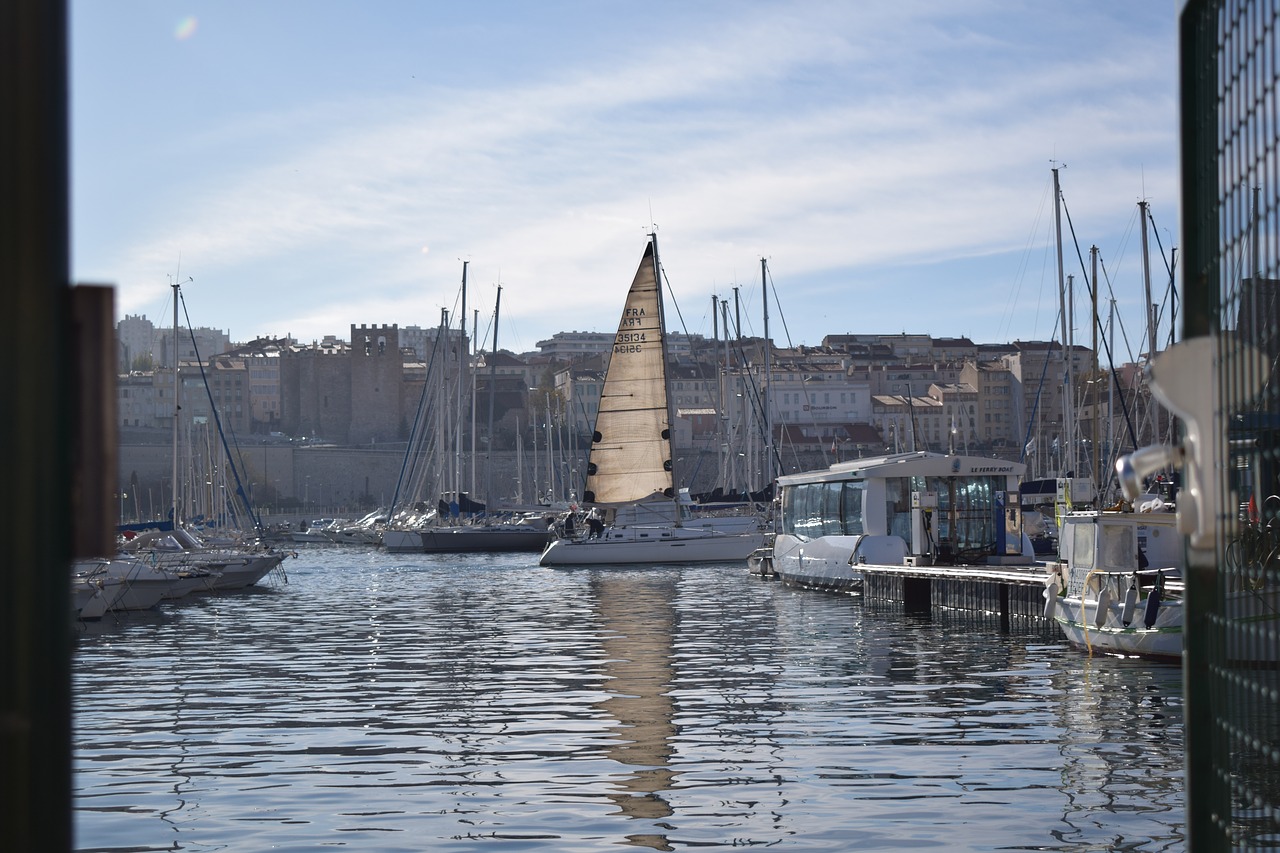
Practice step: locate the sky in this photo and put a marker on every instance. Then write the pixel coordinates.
(300, 167)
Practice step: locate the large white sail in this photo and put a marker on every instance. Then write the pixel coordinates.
(631, 448)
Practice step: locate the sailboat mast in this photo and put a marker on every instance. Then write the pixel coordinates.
(519, 464)
(462, 359)
(471, 394)
(730, 464)
(177, 405)
(1095, 448)
(720, 379)
(768, 376)
(551, 476)
(1146, 285)
(1111, 385)
(671, 421)
(1068, 429)
(493, 383)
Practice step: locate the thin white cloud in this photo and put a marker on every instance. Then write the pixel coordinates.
(826, 139)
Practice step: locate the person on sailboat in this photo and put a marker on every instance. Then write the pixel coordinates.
(595, 523)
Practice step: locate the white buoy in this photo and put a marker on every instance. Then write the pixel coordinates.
(1104, 607)
(1130, 603)
(1051, 599)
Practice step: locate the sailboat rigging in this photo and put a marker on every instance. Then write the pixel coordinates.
(458, 522)
(630, 471)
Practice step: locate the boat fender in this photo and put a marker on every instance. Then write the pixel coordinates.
(1130, 602)
(1153, 607)
(1104, 608)
(1051, 599)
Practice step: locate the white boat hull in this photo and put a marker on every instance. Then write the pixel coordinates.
(831, 562)
(402, 541)
(92, 598)
(245, 571)
(1082, 626)
(1162, 640)
(653, 546)
(142, 585)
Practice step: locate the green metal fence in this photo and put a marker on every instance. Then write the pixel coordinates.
(1230, 79)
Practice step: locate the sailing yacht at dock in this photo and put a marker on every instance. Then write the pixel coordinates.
(175, 554)
(630, 477)
(458, 523)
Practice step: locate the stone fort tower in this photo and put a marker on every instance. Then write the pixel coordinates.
(346, 395)
(377, 384)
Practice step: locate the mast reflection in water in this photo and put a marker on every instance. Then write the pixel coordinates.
(411, 702)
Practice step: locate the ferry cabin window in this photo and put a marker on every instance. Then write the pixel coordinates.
(851, 508)
(964, 517)
(811, 510)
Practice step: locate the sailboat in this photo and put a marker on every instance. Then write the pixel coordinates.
(180, 550)
(630, 477)
(460, 524)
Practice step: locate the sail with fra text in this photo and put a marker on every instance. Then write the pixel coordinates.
(630, 457)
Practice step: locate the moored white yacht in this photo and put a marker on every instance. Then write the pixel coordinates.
(1118, 585)
(93, 596)
(221, 568)
(141, 586)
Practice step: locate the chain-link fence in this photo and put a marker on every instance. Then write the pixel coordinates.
(1230, 79)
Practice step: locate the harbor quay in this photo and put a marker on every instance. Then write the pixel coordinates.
(285, 477)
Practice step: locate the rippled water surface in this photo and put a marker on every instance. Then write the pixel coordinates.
(421, 702)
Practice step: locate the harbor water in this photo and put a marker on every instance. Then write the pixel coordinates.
(380, 702)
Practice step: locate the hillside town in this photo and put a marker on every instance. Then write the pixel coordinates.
(357, 397)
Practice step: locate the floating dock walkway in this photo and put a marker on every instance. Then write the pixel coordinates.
(1010, 591)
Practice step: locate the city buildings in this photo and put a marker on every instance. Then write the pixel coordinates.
(854, 395)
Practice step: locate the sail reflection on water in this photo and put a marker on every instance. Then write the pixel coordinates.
(635, 612)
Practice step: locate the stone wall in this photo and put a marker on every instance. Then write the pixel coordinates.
(352, 477)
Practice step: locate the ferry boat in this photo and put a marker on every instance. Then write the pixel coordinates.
(917, 508)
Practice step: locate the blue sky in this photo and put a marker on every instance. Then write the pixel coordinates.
(316, 164)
